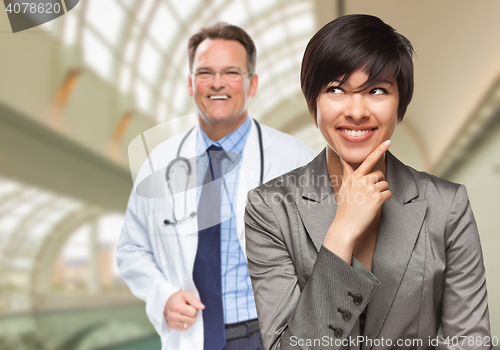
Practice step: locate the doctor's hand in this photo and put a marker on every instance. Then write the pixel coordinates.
(181, 309)
(359, 199)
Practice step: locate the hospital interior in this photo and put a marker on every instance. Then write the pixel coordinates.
(76, 92)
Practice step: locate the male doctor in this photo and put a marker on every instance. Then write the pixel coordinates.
(184, 254)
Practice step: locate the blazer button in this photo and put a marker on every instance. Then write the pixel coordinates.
(346, 315)
(337, 332)
(358, 299)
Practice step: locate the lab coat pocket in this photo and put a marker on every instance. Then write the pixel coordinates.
(174, 243)
(158, 241)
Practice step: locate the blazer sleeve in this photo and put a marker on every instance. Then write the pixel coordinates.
(465, 303)
(138, 267)
(291, 318)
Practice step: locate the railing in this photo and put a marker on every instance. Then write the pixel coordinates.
(102, 328)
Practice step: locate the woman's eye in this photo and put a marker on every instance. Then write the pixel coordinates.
(378, 91)
(335, 90)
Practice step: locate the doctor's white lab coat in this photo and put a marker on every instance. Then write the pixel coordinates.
(156, 260)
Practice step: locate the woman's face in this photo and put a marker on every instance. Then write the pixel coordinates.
(355, 123)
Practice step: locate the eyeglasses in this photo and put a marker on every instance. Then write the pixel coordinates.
(230, 75)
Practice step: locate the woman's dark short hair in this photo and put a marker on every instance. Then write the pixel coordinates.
(354, 42)
(225, 31)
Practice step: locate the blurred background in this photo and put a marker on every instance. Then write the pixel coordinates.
(75, 91)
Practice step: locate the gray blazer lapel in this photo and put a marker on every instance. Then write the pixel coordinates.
(315, 199)
(400, 225)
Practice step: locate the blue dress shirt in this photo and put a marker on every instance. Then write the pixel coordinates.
(237, 294)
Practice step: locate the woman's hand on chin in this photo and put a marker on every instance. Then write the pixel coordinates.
(359, 199)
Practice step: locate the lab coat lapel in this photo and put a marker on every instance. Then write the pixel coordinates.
(315, 199)
(189, 199)
(249, 177)
(400, 225)
(187, 231)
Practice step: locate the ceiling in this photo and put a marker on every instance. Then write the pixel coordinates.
(139, 47)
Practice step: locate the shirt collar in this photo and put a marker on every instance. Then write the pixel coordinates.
(234, 142)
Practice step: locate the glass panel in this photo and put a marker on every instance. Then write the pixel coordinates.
(217, 3)
(70, 28)
(301, 25)
(299, 7)
(143, 96)
(184, 8)
(149, 62)
(162, 113)
(109, 228)
(180, 95)
(70, 271)
(20, 207)
(290, 89)
(144, 10)
(165, 90)
(51, 26)
(8, 224)
(166, 98)
(136, 30)
(311, 137)
(285, 87)
(106, 17)
(178, 103)
(24, 208)
(163, 26)
(258, 6)
(130, 50)
(300, 47)
(264, 78)
(59, 212)
(179, 58)
(96, 54)
(194, 26)
(76, 247)
(21, 264)
(41, 230)
(235, 13)
(7, 187)
(71, 268)
(125, 77)
(284, 67)
(272, 36)
(256, 28)
(128, 3)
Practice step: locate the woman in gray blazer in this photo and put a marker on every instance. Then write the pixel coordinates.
(356, 250)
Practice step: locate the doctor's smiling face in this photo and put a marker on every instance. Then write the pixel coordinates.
(221, 84)
(355, 119)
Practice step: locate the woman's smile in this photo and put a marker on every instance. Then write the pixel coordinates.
(356, 135)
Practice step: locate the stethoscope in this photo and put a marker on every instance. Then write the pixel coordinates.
(182, 160)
